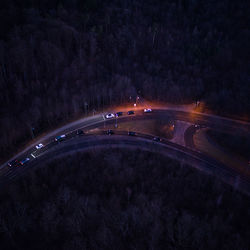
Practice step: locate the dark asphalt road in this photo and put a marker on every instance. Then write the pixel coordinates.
(223, 124)
(144, 142)
(188, 136)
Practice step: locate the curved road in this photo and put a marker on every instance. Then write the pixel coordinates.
(190, 156)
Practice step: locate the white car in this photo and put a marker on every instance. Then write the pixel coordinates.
(40, 145)
(108, 116)
(147, 110)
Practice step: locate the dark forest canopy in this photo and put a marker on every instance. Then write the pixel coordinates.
(59, 59)
(122, 199)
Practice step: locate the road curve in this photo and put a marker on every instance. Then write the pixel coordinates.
(99, 121)
(215, 122)
(144, 142)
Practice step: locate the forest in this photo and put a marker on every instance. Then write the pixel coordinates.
(121, 199)
(60, 59)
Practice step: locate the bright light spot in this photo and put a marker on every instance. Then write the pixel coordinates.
(134, 104)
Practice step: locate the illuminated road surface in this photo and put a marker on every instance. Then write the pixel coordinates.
(215, 122)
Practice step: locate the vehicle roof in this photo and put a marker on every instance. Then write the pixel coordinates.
(59, 136)
(26, 159)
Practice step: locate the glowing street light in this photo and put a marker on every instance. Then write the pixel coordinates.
(134, 104)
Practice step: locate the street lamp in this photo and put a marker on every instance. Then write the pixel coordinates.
(136, 100)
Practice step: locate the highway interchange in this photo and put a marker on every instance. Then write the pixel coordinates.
(186, 153)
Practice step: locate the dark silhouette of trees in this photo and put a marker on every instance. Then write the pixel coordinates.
(115, 199)
(59, 59)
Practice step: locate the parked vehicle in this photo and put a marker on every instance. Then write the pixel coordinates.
(14, 163)
(131, 112)
(147, 110)
(131, 133)
(110, 132)
(108, 116)
(79, 132)
(40, 145)
(25, 161)
(60, 138)
(119, 114)
(158, 139)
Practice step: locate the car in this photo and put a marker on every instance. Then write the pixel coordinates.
(60, 138)
(197, 126)
(40, 145)
(24, 161)
(110, 132)
(108, 116)
(14, 163)
(157, 139)
(147, 110)
(119, 114)
(79, 132)
(131, 112)
(131, 133)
